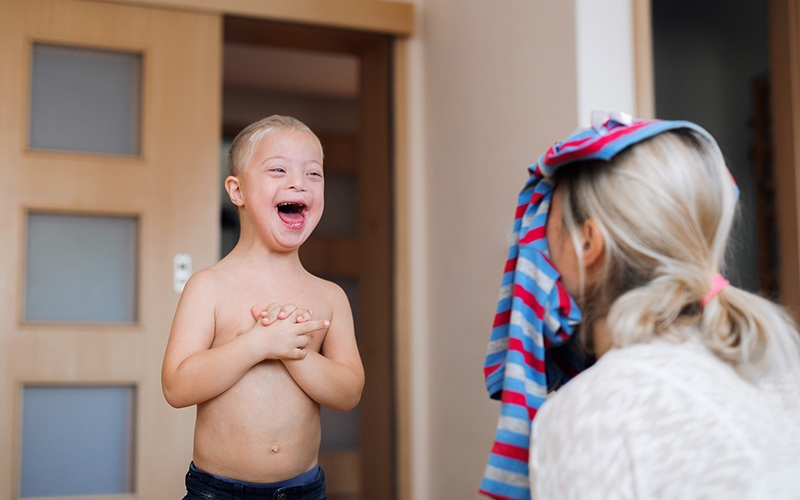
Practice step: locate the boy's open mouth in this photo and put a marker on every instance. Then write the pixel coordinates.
(292, 214)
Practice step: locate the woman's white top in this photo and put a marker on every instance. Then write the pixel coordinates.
(667, 421)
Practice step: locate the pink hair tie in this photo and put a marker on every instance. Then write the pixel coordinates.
(718, 283)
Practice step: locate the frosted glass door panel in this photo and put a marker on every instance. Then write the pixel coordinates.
(77, 440)
(81, 269)
(85, 100)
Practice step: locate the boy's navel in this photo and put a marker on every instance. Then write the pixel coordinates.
(275, 449)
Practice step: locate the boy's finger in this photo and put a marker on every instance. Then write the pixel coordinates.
(256, 312)
(313, 326)
(303, 315)
(272, 315)
(286, 311)
(265, 311)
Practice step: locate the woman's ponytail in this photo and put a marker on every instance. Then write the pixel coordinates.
(749, 332)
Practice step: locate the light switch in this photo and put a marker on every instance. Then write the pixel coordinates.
(181, 271)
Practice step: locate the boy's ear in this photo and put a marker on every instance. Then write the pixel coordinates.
(593, 246)
(234, 190)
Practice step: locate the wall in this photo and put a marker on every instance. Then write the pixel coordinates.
(604, 39)
(490, 86)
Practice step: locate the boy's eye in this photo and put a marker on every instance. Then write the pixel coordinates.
(278, 170)
(315, 173)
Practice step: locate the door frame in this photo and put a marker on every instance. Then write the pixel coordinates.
(644, 83)
(784, 48)
(389, 17)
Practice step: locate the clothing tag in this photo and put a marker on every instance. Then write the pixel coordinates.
(601, 117)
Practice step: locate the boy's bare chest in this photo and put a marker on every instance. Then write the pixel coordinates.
(234, 308)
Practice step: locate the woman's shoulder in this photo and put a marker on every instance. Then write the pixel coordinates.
(606, 415)
(662, 363)
(659, 362)
(676, 404)
(634, 390)
(659, 415)
(617, 383)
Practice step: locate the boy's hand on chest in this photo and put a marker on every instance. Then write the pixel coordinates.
(284, 330)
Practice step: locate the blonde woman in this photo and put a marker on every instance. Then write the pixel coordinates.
(695, 393)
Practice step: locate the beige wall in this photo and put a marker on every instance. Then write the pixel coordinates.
(491, 86)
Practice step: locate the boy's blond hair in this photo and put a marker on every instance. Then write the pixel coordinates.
(242, 147)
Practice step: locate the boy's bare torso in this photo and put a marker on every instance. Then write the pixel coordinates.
(264, 428)
(258, 386)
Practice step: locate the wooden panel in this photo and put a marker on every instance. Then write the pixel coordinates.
(396, 18)
(785, 75)
(376, 342)
(249, 30)
(342, 472)
(331, 256)
(171, 187)
(341, 152)
(402, 271)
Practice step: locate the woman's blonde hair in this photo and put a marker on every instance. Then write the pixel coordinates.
(242, 147)
(665, 208)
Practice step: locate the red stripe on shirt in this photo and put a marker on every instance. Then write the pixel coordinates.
(529, 299)
(515, 344)
(502, 318)
(582, 152)
(511, 264)
(534, 234)
(510, 451)
(496, 496)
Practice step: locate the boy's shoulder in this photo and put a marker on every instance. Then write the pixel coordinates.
(218, 279)
(210, 276)
(227, 270)
(330, 291)
(322, 285)
(205, 282)
(228, 278)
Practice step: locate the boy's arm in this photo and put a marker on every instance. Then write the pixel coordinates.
(193, 372)
(334, 377)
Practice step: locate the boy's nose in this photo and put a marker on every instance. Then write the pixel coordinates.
(296, 181)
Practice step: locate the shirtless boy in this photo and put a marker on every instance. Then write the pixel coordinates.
(258, 376)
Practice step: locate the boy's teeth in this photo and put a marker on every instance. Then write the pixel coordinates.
(291, 213)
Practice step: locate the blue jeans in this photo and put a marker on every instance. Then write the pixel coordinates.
(204, 486)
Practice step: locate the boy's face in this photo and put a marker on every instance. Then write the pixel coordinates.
(282, 188)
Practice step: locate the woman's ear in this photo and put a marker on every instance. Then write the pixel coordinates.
(234, 190)
(593, 246)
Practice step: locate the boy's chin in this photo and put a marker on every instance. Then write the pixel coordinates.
(290, 244)
(292, 239)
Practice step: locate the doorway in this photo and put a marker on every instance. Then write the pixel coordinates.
(711, 65)
(337, 82)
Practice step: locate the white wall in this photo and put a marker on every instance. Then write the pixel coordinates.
(604, 36)
(491, 86)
